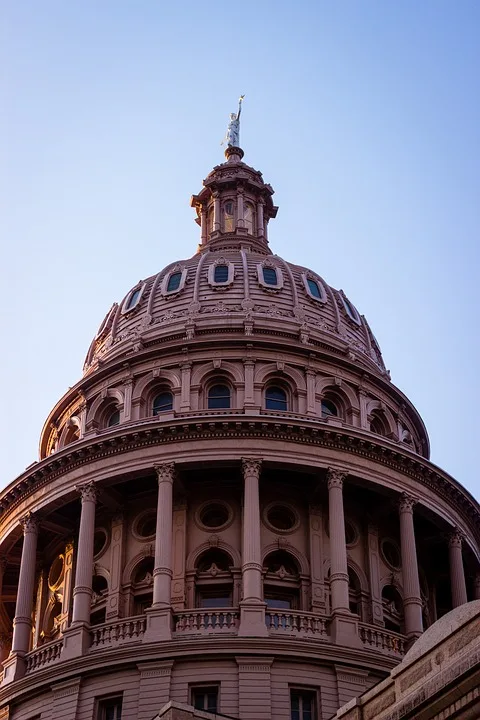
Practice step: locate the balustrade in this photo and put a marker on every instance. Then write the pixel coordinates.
(202, 621)
(126, 630)
(383, 640)
(301, 623)
(45, 655)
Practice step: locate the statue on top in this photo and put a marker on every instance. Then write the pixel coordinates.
(232, 137)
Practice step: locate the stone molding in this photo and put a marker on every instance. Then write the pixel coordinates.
(64, 689)
(335, 477)
(456, 538)
(88, 492)
(406, 503)
(30, 523)
(251, 466)
(165, 472)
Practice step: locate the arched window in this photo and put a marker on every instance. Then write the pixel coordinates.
(314, 288)
(210, 221)
(214, 579)
(249, 218)
(220, 274)
(219, 397)
(350, 310)
(377, 424)
(329, 408)
(354, 593)
(133, 299)
(228, 218)
(270, 276)
(281, 581)
(99, 600)
(163, 402)
(174, 281)
(275, 398)
(142, 585)
(113, 418)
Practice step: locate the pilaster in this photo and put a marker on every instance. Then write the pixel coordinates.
(154, 687)
(254, 687)
(374, 574)
(65, 699)
(315, 523)
(115, 602)
(179, 556)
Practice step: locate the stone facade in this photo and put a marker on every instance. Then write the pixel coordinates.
(234, 508)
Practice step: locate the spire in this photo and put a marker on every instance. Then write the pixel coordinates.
(235, 204)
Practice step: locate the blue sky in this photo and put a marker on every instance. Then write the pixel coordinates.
(363, 115)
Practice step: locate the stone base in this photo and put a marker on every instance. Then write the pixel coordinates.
(344, 630)
(252, 620)
(159, 624)
(76, 641)
(13, 668)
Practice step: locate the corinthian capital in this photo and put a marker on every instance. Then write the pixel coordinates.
(251, 466)
(406, 503)
(335, 477)
(165, 472)
(456, 538)
(29, 523)
(88, 492)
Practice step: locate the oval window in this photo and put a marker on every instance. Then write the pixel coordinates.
(351, 311)
(391, 554)
(55, 576)
(270, 276)
(281, 517)
(314, 289)
(99, 542)
(147, 525)
(221, 274)
(174, 281)
(214, 515)
(133, 299)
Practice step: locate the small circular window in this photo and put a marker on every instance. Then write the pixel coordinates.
(391, 554)
(55, 576)
(215, 515)
(145, 525)
(100, 539)
(280, 517)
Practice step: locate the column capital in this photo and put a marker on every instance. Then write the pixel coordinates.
(88, 492)
(455, 538)
(165, 472)
(251, 466)
(30, 523)
(335, 477)
(406, 503)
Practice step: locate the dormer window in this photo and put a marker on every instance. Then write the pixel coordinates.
(350, 310)
(228, 217)
(314, 288)
(133, 298)
(270, 276)
(221, 274)
(174, 281)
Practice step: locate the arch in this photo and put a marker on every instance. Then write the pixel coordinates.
(385, 415)
(129, 570)
(53, 604)
(217, 554)
(193, 556)
(300, 559)
(342, 389)
(102, 572)
(362, 578)
(69, 434)
(272, 371)
(204, 372)
(104, 400)
(146, 384)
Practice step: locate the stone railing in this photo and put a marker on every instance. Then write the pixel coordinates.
(299, 623)
(44, 655)
(207, 621)
(120, 631)
(383, 640)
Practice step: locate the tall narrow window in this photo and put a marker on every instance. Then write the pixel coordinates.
(218, 397)
(270, 276)
(314, 288)
(228, 224)
(110, 709)
(302, 705)
(205, 698)
(351, 310)
(210, 221)
(275, 398)
(174, 281)
(249, 218)
(133, 299)
(162, 403)
(221, 274)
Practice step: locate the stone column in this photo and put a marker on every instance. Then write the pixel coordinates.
(412, 600)
(76, 638)
(457, 574)
(203, 224)
(216, 212)
(338, 545)
(252, 607)
(240, 209)
(14, 667)
(260, 223)
(159, 616)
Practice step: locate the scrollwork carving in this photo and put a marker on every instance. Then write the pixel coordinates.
(251, 466)
(29, 523)
(335, 477)
(165, 472)
(88, 492)
(406, 503)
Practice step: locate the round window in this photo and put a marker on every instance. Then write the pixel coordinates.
(281, 517)
(147, 525)
(214, 515)
(55, 576)
(391, 553)
(99, 541)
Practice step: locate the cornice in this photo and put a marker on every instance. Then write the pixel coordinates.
(195, 427)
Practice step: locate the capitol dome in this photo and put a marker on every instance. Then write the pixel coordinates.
(234, 509)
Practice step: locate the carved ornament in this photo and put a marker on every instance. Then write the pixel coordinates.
(335, 477)
(165, 472)
(406, 503)
(251, 467)
(88, 492)
(29, 523)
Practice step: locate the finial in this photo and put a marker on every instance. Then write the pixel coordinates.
(232, 136)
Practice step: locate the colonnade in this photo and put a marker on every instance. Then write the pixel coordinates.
(252, 606)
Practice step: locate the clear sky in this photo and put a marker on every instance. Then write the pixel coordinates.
(363, 115)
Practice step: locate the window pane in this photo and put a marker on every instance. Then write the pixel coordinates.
(248, 216)
(328, 408)
(163, 402)
(114, 419)
(314, 288)
(270, 276)
(174, 281)
(221, 274)
(205, 699)
(133, 299)
(228, 217)
(275, 399)
(215, 602)
(218, 397)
